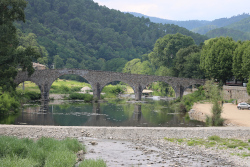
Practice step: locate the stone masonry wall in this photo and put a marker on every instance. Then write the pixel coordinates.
(236, 92)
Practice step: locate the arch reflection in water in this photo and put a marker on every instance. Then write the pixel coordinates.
(151, 114)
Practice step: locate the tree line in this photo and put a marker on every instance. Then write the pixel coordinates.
(177, 55)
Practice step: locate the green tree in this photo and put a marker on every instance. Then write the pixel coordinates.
(217, 57)
(165, 48)
(248, 87)
(116, 64)
(192, 67)
(135, 66)
(246, 61)
(58, 62)
(12, 58)
(181, 60)
(237, 60)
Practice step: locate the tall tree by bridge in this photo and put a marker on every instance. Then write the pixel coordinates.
(12, 57)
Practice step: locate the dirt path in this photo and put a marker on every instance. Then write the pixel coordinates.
(230, 113)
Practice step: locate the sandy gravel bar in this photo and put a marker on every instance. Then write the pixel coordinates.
(123, 133)
(149, 141)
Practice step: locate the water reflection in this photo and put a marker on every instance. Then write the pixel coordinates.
(150, 114)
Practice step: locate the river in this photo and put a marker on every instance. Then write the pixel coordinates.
(112, 113)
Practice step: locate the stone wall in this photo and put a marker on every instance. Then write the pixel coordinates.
(236, 92)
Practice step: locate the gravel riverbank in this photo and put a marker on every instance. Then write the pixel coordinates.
(137, 146)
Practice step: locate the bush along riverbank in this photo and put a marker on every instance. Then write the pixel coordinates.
(44, 152)
(210, 92)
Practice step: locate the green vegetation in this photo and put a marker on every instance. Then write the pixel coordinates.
(215, 142)
(214, 94)
(112, 91)
(43, 152)
(82, 34)
(80, 96)
(8, 104)
(227, 32)
(28, 95)
(93, 163)
(67, 86)
(12, 56)
(217, 58)
(185, 103)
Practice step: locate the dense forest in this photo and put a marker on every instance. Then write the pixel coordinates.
(82, 34)
(236, 27)
(198, 26)
(226, 32)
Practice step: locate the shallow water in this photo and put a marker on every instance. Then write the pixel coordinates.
(149, 113)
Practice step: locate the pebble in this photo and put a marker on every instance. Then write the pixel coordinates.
(145, 138)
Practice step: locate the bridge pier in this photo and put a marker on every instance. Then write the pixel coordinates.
(138, 92)
(96, 91)
(96, 110)
(137, 113)
(44, 92)
(179, 90)
(44, 97)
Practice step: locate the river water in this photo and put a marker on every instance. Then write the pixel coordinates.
(115, 113)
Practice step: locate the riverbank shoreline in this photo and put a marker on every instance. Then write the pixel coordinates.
(141, 137)
(230, 113)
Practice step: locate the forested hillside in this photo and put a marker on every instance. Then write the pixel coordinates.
(82, 34)
(198, 26)
(226, 32)
(242, 25)
(189, 24)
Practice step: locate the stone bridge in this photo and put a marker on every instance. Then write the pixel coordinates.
(99, 79)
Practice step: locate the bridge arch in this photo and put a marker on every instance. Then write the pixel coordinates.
(161, 83)
(75, 76)
(107, 83)
(98, 79)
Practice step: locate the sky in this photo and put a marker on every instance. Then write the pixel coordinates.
(181, 9)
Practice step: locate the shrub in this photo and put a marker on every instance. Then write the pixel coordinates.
(182, 108)
(216, 138)
(33, 95)
(8, 104)
(81, 96)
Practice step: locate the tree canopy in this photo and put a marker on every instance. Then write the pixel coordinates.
(12, 57)
(165, 48)
(217, 57)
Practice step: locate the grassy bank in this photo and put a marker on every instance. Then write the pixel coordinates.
(217, 143)
(45, 152)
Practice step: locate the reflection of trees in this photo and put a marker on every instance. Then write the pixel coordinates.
(72, 115)
(118, 112)
(103, 114)
(8, 119)
(156, 114)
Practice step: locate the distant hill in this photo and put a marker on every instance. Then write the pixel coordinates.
(236, 27)
(238, 30)
(242, 25)
(226, 32)
(198, 26)
(82, 34)
(190, 24)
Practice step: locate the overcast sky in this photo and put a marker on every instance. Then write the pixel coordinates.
(181, 9)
